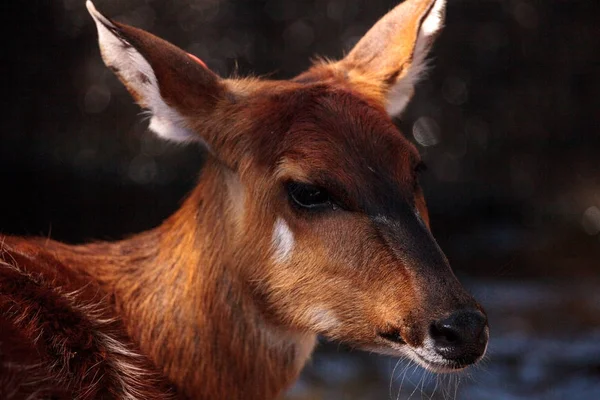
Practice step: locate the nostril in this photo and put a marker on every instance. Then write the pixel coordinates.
(461, 335)
(444, 334)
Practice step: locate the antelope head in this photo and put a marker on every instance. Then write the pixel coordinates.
(331, 230)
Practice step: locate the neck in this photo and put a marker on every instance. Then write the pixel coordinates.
(183, 297)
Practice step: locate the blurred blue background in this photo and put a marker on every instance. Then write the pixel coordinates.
(508, 121)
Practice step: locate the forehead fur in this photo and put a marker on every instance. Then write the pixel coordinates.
(335, 136)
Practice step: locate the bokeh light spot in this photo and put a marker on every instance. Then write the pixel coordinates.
(455, 90)
(526, 15)
(142, 169)
(96, 99)
(299, 35)
(426, 131)
(591, 220)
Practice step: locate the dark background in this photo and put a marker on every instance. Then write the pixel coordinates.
(507, 120)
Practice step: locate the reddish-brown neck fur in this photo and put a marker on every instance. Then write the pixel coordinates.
(181, 293)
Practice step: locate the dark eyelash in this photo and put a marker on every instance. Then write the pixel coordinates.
(309, 197)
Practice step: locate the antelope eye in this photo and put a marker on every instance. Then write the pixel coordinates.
(308, 196)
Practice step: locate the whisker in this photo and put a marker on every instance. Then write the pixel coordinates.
(392, 376)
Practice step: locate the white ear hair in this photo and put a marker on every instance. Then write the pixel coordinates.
(139, 78)
(402, 91)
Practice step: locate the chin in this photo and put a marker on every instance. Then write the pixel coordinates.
(426, 357)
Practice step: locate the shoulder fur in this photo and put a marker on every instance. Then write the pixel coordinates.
(59, 339)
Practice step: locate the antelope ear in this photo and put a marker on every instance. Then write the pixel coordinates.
(172, 84)
(392, 53)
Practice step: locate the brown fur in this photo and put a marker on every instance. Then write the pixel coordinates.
(201, 304)
(59, 337)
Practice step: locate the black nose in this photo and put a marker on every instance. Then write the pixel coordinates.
(461, 337)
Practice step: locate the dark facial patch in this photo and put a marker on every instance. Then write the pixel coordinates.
(412, 243)
(144, 78)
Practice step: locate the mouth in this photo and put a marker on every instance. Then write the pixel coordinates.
(430, 361)
(435, 362)
(425, 355)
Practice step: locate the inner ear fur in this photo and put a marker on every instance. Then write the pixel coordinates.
(389, 59)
